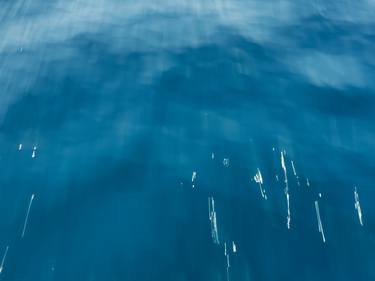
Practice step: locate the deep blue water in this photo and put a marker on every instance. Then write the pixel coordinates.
(124, 100)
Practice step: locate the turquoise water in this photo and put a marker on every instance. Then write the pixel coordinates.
(107, 109)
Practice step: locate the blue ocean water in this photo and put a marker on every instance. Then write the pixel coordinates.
(123, 118)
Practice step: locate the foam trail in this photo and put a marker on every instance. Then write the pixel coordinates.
(294, 172)
(228, 266)
(357, 206)
(307, 182)
(209, 208)
(34, 152)
(228, 263)
(27, 215)
(213, 220)
(226, 162)
(259, 179)
(320, 226)
(286, 190)
(234, 247)
(3, 260)
(193, 178)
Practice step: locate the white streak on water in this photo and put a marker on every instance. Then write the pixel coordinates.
(27, 215)
(3, 260)
(34, 152)
(286, 190)
(213, 220)
(294, 172)
(228, 265)
(234, 247)
(320, 226)
(228, 262)
(293, 168)
(357, 206)
(193, 178)
(259, 180)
